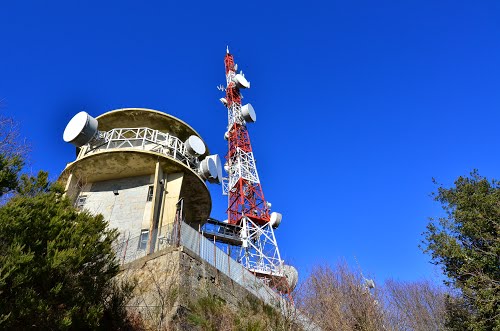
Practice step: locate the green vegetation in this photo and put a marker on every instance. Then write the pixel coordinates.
(211, 313)
(466, 244)
(56, 264)
(57, 270)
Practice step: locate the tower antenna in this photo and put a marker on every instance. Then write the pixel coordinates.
(247, 207)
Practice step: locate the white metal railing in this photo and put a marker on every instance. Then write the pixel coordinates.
(145, 139)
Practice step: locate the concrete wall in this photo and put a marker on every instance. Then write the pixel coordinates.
(129, 211)
(169, 281)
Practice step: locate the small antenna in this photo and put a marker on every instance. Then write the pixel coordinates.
(227, 49)
(369, 283)
(221, 88)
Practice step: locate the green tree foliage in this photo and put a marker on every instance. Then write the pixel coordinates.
(11, 155)
(56, 264)
(466, 244)
(9, 169)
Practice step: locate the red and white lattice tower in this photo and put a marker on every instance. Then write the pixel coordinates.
(247, 206)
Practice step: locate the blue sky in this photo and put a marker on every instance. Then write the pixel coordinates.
(359, 103)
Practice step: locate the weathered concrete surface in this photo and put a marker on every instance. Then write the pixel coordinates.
(130, 162)
(124, 211)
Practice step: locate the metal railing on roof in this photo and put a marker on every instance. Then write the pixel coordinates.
(145, 139)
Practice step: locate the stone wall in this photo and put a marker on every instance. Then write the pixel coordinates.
(170, 280)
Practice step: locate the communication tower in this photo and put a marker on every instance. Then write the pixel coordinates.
(247, 207)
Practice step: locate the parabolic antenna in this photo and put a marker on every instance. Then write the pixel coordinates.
(218, 165)
(195, 146)
(288, 281)
(248, 113)
(80, 129)
(208, 168)
(275, 219)
(241, 81)
(292, 276)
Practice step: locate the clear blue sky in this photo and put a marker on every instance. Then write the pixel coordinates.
(359, 103)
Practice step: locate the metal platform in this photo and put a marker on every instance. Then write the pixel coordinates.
(222, 232)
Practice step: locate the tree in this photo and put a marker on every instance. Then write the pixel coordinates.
(11, 155)
(466, 244)
(418, 305)
(56, 264)
(337, 299)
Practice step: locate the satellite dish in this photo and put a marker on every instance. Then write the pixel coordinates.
(195, 146)
(268, 204)
(208, 168)
(275, 219)
(226, 167)
(80, 129)
(226, 135)
(241, 81)
(218, 178)
(248, 113)
(292, 276)
(223, 101)
(287, 279)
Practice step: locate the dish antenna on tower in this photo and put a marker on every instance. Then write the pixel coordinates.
(248, 113)
(241, 81)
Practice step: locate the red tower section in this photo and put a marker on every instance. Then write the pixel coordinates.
(246, 198)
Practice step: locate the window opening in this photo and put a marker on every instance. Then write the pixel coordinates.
(150, 193)
(80, 202)
(143, 239)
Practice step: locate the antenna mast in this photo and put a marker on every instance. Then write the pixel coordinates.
(247, 207)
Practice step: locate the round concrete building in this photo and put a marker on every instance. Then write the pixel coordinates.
(133, 166)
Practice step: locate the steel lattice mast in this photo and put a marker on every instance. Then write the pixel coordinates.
(247, 206)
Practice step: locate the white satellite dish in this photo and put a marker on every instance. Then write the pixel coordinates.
(195, 146)
(80, 129)
(226, 135)
(208, 168)
(275, 219)
(218, 178)
(241, 81)
(248, 113)
(292, 276)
